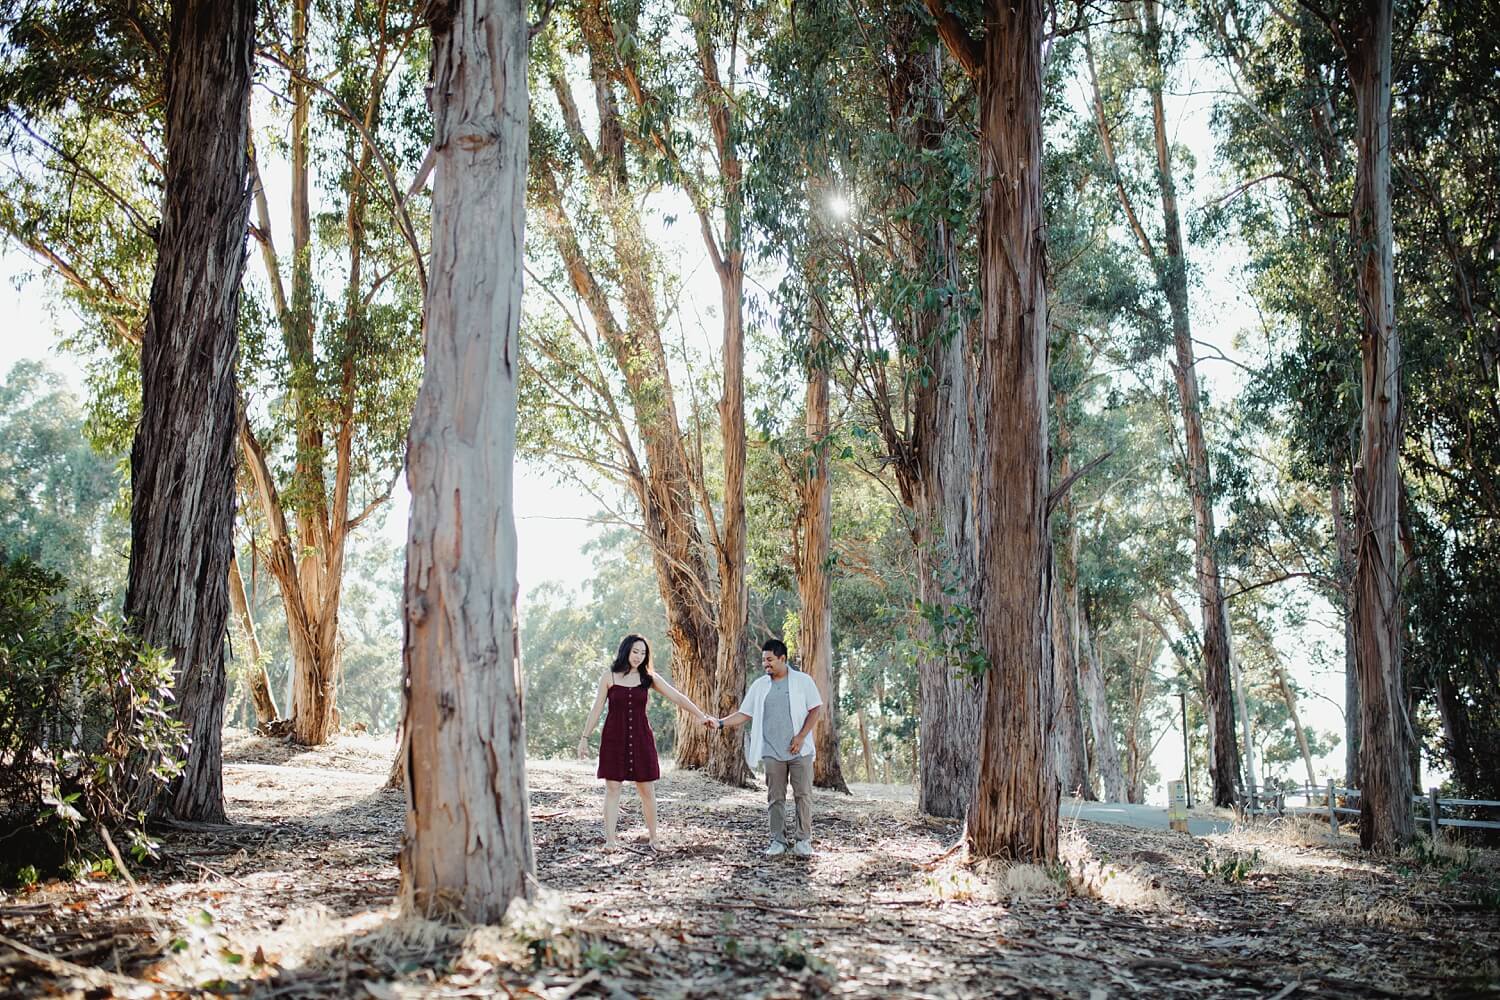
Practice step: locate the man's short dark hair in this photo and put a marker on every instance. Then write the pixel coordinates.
(775, 647)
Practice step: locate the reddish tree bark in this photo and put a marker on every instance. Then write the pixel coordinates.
(1385, 796)
(1014, 811)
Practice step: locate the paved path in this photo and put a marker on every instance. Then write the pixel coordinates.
(1141, 817)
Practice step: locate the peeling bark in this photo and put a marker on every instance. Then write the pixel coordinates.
(1385, 808)
(941, 486)
(182, 461)
(1014, 810)
(468, 849)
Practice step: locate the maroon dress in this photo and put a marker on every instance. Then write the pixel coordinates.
(627, 749)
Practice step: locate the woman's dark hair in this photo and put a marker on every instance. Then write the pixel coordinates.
(775, 647)
(622, 658)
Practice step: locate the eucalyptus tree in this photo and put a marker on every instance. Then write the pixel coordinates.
(1285, 131)
(1445, 189)
(467, 852)
(1290, 136)
(331, 335)
(182, 463)
(1135, 58)
(862, 169)
(338, 357)
(599, 380)
(1014, 810)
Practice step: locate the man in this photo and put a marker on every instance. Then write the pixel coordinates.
(782, 708)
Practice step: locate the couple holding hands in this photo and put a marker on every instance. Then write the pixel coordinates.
(782, 708)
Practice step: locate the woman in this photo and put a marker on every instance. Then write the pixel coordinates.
(627, 750)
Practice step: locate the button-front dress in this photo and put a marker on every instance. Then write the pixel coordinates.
(627, 748)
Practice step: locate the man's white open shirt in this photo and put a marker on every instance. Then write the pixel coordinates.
(802, 694)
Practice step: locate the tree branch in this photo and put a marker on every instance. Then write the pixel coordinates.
(967, 50)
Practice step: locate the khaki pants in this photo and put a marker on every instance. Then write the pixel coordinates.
(800, 773)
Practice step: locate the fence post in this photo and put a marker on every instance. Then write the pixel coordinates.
(1333, 816)
(1432, 813)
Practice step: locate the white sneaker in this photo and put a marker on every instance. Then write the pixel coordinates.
(776, 847)
(803, 849)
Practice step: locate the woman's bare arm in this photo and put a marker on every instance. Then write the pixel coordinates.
(600, 697)
(676, 697)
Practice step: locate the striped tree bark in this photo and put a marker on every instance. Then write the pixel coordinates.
(182, 462)
(1014, 810)
(1385, 821)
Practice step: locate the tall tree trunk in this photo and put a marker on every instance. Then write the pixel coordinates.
(943, 500)
(1073, 766)
(468, 848)
(1224, 759)
(814, 550)
(726, 758)
(260, 684)
(1067, 718)
(1014, 811)
(1344, 572)
(315, 654)
(864, 746)
(1385, 807)
(1291, 708)
(665, 484)
(1106, 751)
(1238, 676)
(182, 462)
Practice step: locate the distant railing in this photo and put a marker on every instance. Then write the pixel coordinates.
(1333, 801)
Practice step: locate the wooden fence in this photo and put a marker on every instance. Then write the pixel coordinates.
(1333, 801)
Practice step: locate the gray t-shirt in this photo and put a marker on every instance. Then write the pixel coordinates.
(776, 727)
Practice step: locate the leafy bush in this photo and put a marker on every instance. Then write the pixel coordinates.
(86, 734)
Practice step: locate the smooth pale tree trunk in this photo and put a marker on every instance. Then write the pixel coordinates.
(1344, 547)
(182, 462)
(1068, 727)
(468, 849)
(814, 550)
(943, 499)
(1095, 693)
(1291, 708)
(726, 760)
(314, 642)
(260, 684)
(1067, 717)
(1014, 811)
(864, 746)
(1238, 676)
(1385, 821)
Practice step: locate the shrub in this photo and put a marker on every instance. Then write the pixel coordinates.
(86, 735)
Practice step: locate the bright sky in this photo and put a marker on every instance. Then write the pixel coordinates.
(555, 522)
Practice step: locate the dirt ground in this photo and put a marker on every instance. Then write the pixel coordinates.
(295, 899)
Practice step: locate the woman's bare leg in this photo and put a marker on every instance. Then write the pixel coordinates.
(612, 791)
(647, 790)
